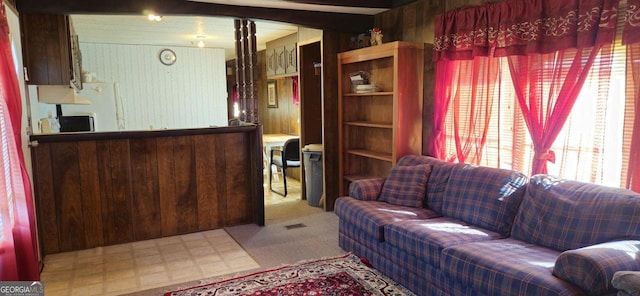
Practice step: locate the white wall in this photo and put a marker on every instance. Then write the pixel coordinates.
(189, 94)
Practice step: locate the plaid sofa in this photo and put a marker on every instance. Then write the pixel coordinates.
(487, 231)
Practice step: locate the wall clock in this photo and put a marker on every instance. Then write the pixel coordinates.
(167, 57)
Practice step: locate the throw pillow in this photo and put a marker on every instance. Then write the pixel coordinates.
(406, 185)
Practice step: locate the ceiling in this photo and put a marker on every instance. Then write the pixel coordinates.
(172, 31)
(180, 30)
(325, 6)
(274, 18)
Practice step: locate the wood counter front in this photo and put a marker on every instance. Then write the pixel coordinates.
(98, 189)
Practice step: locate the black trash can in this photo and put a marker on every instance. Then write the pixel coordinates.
(312, 157)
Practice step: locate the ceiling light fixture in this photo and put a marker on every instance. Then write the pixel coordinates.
(153, 17)
(200, 40)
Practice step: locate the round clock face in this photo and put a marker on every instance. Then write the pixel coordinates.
(167, 57)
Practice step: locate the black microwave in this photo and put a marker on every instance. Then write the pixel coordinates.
(79, 123)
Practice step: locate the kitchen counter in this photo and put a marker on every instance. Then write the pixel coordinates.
(89, 136)
(103, 188)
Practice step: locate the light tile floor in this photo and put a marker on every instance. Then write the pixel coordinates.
(127, 268)
(143, 265)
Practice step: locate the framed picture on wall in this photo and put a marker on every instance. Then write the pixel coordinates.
(272, 97)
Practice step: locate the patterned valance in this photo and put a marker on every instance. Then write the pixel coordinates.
(631, 32)
(520, 27)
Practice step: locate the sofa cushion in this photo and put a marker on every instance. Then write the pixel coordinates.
(427, 238)
(484, 197)
(438, 178)
(405, 186)
(506, 267)
(563, 215)
(372, 216)
(592, 268)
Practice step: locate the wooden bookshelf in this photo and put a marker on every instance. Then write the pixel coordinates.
(377, 128)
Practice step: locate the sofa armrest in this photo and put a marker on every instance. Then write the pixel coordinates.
(591, 268)
(366, 189)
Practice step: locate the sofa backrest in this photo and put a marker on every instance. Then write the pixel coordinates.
(563, 214)
(484, 197)
(437, 183)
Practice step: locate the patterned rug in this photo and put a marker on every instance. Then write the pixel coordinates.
(344, 275)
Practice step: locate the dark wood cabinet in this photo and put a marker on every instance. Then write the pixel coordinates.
(51, 50)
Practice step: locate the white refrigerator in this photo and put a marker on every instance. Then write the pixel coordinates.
(104, 107)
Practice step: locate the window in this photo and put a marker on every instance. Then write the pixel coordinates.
(488, 123)
(485, 125)
(589, 148)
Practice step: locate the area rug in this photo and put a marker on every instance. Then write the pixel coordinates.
(343, 275)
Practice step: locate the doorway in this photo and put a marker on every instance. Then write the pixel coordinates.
(304, 119)
(310, 119)
(310, 71)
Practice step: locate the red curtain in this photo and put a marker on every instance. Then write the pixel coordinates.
(466, 91)
(547, 86)
(633, 96)
(477, 87)
(294, 90)
(631, 37)
(18, 253)
(445, 71)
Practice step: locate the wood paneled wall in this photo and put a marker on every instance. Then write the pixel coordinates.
(92, 193)
(332, 44)
(285, 118)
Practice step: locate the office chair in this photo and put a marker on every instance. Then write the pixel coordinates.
(289, 158)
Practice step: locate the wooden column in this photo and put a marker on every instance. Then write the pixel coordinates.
(253, 73)
(239, 72)
(246, 70)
